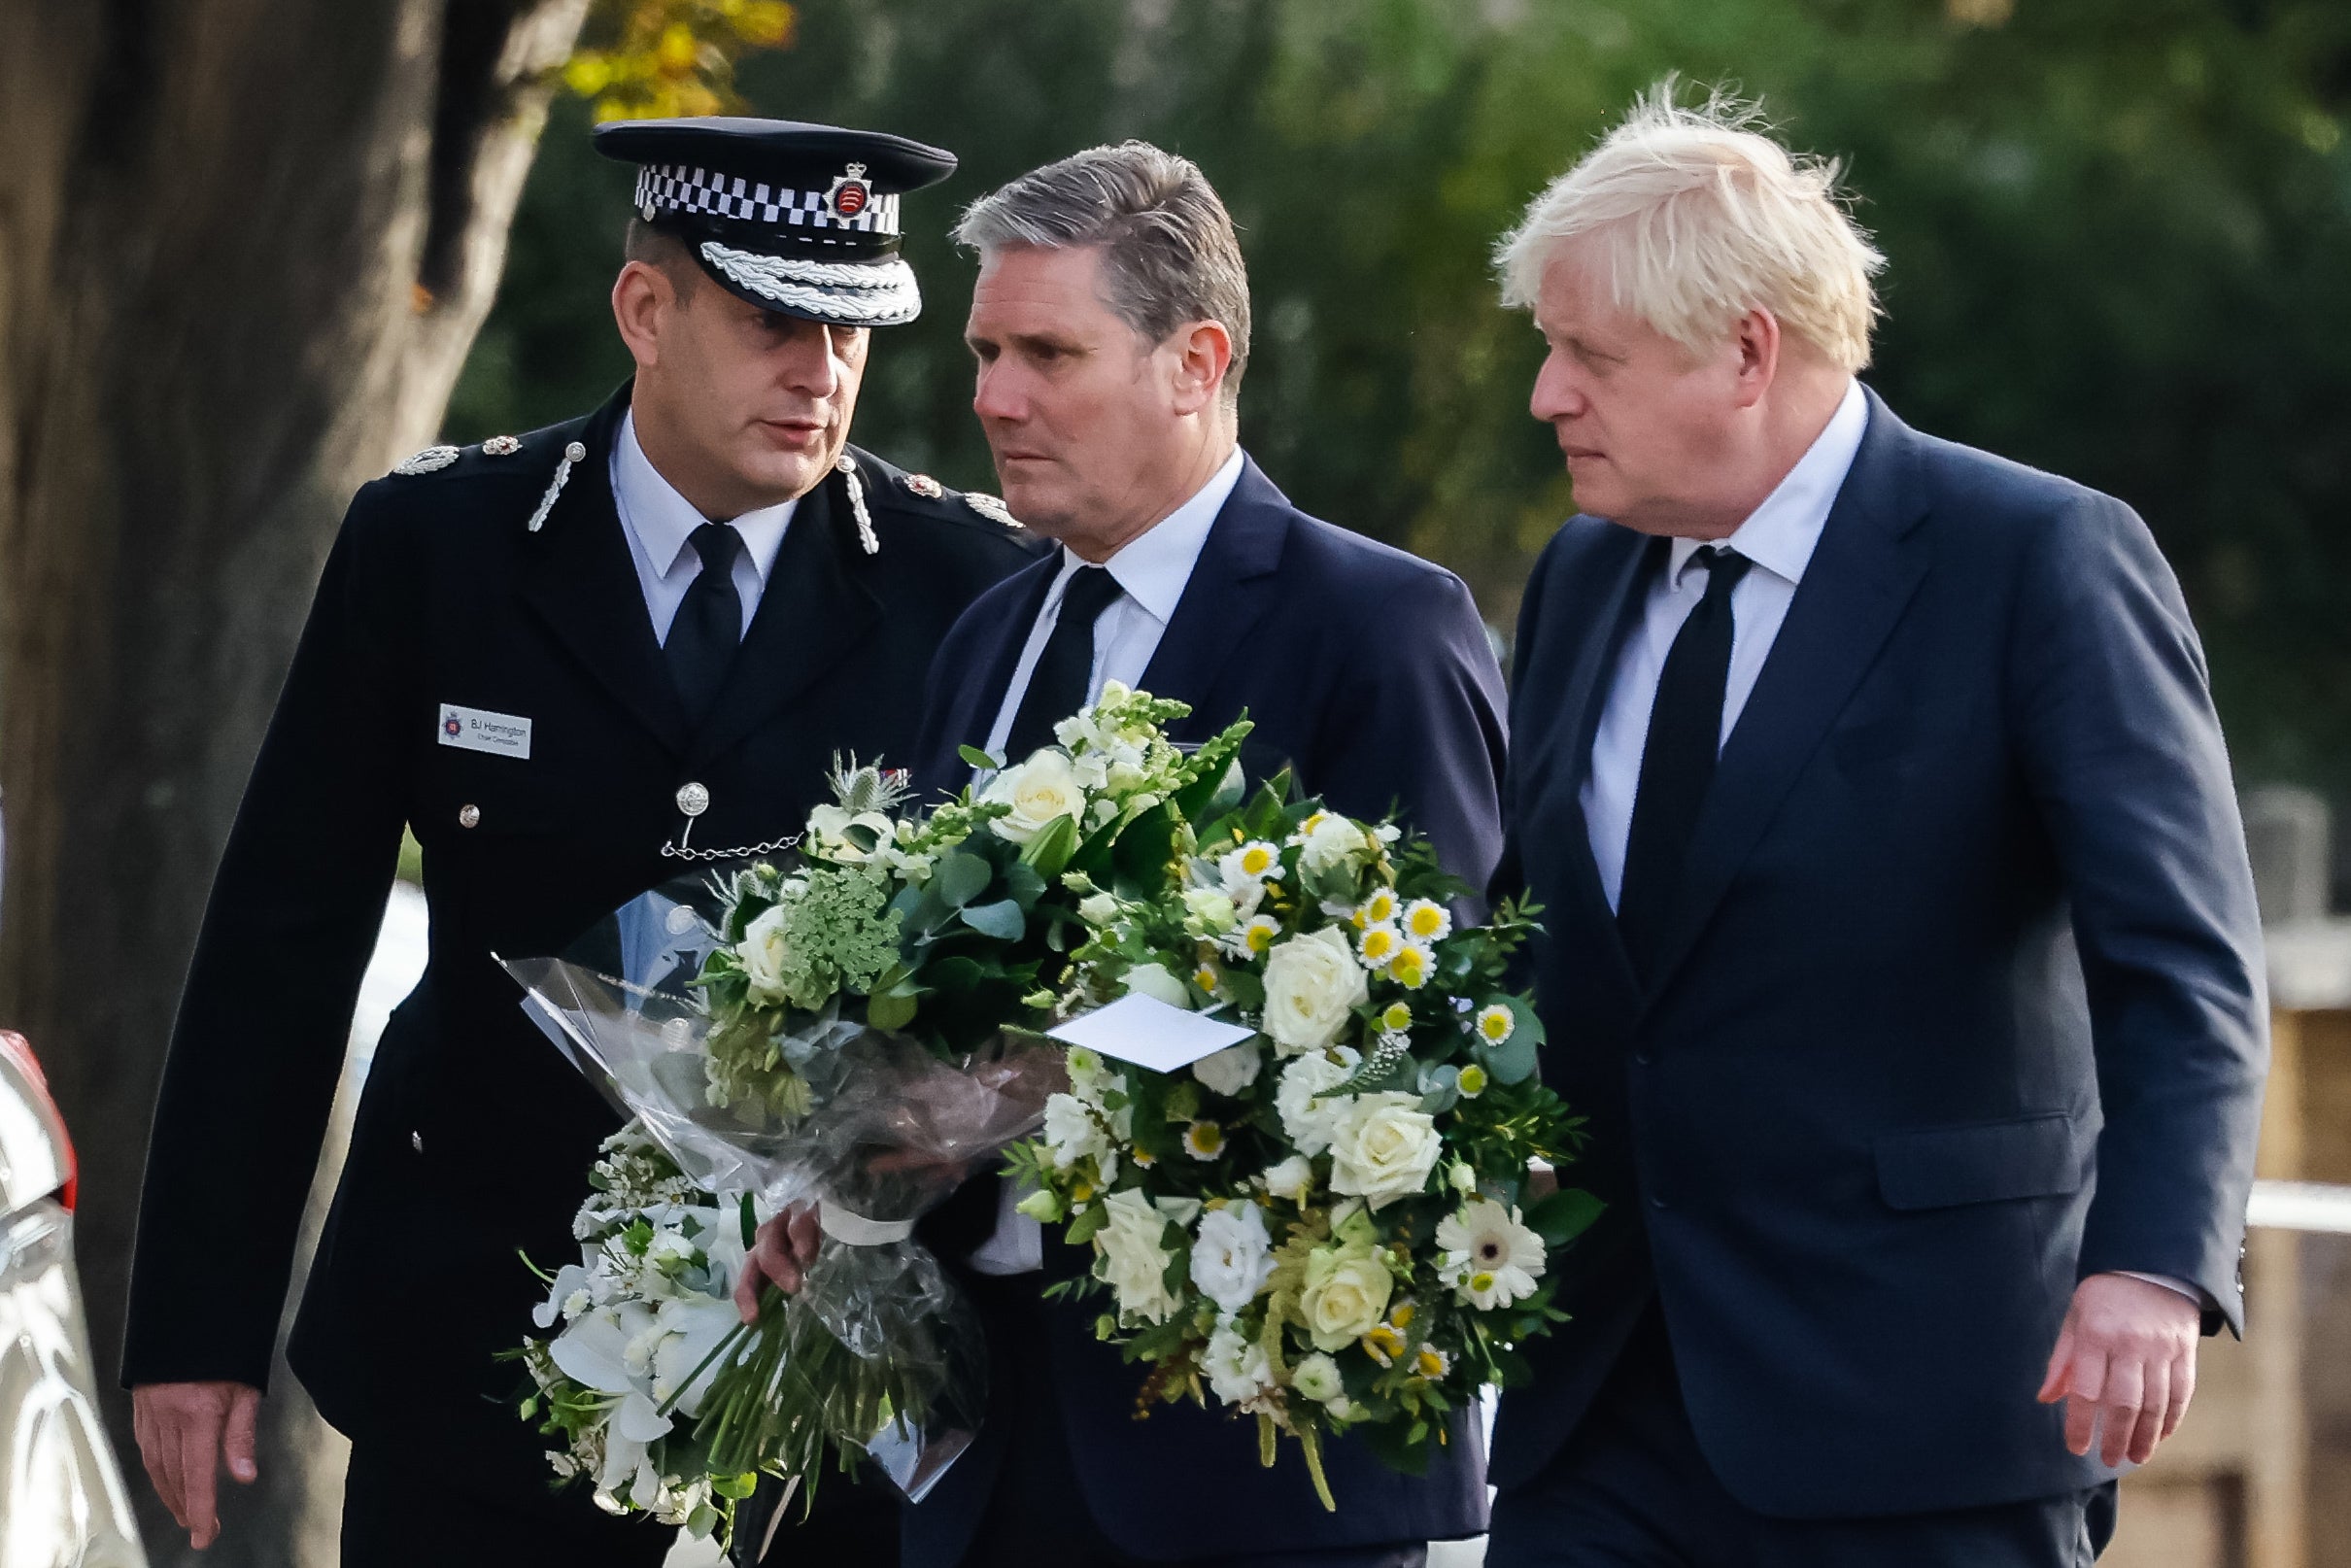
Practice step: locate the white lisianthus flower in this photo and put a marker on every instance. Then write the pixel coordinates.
(1154, 981)
(1316, 1377)
(1239, 1372)
(1233, 1257)
(1490, 1258)
(1074, 1133)
(1313, 984)
(1382, 1147)
(1231, 1069)
(1040, 791)
(1210, 911)
(1326, 839)
(1132, 1257)
(829, 825)
(1346, 1296)
(1306, 1117)
(762, 955)
(1291, 1179)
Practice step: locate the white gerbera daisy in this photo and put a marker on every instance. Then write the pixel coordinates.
(1490, 1259)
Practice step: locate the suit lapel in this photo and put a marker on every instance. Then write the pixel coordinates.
(813, 612)
(1232, 586)
(1579, 720)
(1862, 578)
(582, 582)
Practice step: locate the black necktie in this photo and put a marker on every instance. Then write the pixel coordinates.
(1678, 762)
(709, 621)
(1057, 686)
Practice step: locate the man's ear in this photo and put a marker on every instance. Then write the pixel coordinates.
(1203, 354)
(1756, 338)
(643, 298)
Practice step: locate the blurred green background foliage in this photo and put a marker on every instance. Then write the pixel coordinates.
(2118, 232)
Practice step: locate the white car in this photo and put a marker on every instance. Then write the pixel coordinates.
(62, 1502)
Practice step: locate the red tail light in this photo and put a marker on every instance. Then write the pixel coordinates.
(19, 1051)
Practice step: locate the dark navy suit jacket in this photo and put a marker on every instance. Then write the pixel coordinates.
(1961, 998)
(1368, 671)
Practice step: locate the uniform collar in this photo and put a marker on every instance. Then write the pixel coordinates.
(664, 521)
(1153, 566)
(1780, 535)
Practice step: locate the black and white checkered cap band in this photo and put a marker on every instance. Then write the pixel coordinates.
(675, 188)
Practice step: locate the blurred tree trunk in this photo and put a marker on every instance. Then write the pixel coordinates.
(244, 247)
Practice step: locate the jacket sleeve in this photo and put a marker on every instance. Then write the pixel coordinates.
(1422, 730)
(2123, 753)
(257, 1049)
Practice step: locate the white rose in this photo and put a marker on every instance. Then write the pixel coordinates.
(1346, 1296)
(1214, 912)
(1132, 1259)
(1234, 1256)
(1231, 1069)
(1332, 840)
(1291, 1179)
(1098, 910)
(1154, 981)
(1306, 1117)
(1073, 1132)
(1040, 790)
(1237, 1367)
(1382, 1148)
(1316, 1377)
(762, 955)
(830, 825)
(1311, 983)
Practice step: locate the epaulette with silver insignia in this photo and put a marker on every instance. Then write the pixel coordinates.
(430, 460)
(502, 446)
(923, 485)
(991, 508)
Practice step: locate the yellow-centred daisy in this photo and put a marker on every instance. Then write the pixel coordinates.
(1377, 945)
(1495, 1024)
(1204, 1140)
(1410, 968)
(1427, 921)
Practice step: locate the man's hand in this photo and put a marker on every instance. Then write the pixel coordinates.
(2125, 1359)
(185, 1430)
(782, 1251)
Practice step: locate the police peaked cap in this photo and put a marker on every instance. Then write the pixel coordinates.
(791, 217)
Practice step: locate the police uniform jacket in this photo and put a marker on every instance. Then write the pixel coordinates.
(474, 1135)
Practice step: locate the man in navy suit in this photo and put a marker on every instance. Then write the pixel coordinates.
(1110, 324)
(1901, 942)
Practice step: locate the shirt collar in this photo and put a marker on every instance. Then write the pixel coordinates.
(1780, 535)
(1153, 566)
(664, 521)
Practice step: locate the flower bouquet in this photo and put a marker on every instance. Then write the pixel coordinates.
(1326, 1224)
(853, 1032)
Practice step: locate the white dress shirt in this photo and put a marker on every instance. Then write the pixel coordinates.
(1151, 570)
(1778, 537)
(659, 523)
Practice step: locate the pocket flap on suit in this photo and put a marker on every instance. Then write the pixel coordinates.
(1981, 1162)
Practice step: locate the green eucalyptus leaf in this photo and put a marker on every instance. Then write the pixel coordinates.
(1003, 919)
(960, 878)
(1559, 1217)
(977, 758)
(890, 1011)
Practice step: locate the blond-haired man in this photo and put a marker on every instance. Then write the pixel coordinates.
(1902, 948)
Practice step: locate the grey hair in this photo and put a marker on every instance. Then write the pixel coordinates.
(1169, 252)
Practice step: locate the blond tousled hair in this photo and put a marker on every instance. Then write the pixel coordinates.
(1700, 217)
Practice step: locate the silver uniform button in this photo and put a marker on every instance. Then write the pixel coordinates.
(694, 800)
(469, 816)
(416, 1140)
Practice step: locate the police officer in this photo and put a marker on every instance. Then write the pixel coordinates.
(566, 661)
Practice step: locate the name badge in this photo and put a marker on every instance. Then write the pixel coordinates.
(501, 735)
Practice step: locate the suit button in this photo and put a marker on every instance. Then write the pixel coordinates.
(694, 800)
(1656, 1202)
(1642, 1058)
(469, 816)
(416, 1140)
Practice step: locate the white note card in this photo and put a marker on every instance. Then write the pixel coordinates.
(501, 735)
(1149, 1033)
